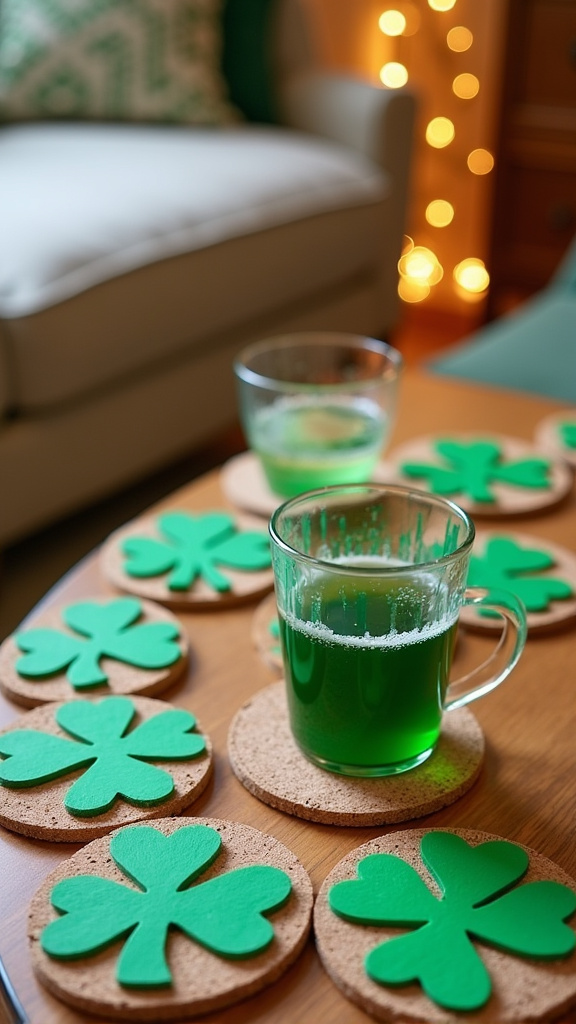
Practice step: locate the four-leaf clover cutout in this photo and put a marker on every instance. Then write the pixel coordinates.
(479, 899)
(115, 757)
(472, 468)
(194, 546)
(225, 913)
(102, 630)
(505, 565)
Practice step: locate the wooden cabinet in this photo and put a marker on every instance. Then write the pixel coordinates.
(534, 211)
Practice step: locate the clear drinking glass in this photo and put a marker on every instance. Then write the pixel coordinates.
(317, 408)
(369, 583)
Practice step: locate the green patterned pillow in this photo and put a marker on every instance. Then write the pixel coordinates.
(116, 60)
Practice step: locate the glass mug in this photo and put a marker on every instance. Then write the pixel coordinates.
(370, 580)
(317, 408)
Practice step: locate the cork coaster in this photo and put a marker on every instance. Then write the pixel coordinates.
(540, 573)
(557, 434)
(241, 584)
(267, 761)
(120, 676)
(199, 980)
(38, 809)
(521, 989)
(266, 633)
(243, 482)
(509, 493)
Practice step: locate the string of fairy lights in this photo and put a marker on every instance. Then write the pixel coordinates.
(419, 266)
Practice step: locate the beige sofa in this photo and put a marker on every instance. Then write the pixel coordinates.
(135, 260)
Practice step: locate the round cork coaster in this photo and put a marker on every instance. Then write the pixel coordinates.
(557, 434)
(504, 477)
(266, 633)
(267, 761)
(216, 555)
(200, 980)
(522, 989)
(38, 810)
(243, 482)
(540, 573)
(120, 676)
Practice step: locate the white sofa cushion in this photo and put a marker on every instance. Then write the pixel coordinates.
(112, 198)
(173, 205)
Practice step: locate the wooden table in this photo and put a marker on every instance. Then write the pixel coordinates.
(526, 792)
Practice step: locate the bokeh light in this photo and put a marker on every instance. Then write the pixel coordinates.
(459, 39)
(440, 132)
(394, 74)
(439, 213)
(441, 5)
(480, 161)
(392, 23)
(410, 290)
(471, 275)
(466, 86)
(420, 264)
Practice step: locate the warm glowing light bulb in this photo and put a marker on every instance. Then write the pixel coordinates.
(466, 86)
(421, 265)
(480, 161)
(440, 132)
(392, 23)
(394, 75)
(471, 275)
(439, 213)
(441, 5)
(459, 39)
(413, 291)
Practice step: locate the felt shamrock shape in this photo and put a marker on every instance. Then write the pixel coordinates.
(568, 433)
(471, 468)
(115, 759)
(478, 901)
(224, 913)
(193, 547)
(506, 565)
(105, 630)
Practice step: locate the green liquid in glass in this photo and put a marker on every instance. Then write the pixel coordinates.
(367, 704)
(304, 444)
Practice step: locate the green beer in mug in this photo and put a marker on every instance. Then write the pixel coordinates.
(369, 582)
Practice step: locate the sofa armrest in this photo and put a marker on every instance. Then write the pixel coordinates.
(377, 122)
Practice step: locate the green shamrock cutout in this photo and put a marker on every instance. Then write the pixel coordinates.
(568, 433)
(193, 547)
(506, 565)
(471, 469)
(105, 630)
(478, 901)
(115, 759)
(224, 913)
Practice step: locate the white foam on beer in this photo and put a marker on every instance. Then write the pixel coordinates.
(392, 639)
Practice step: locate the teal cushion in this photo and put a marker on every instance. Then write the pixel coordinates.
(533, 349)
(565, 275)
(247, 58)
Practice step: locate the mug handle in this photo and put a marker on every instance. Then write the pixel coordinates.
(504, 657)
